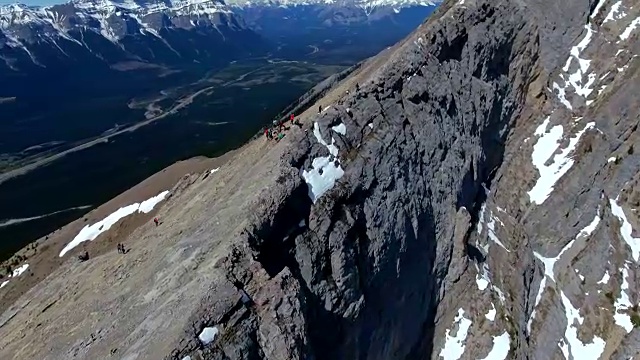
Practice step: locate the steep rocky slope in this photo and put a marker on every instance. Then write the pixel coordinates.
(477, 197)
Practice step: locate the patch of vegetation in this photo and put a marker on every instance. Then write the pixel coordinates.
(610, 296)
(635, 320)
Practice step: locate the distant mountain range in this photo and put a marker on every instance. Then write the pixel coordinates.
(177, 32)
(64, 63)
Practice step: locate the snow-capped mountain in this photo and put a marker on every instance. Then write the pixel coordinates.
(65, 25)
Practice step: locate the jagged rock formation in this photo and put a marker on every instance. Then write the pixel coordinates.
(476, 197)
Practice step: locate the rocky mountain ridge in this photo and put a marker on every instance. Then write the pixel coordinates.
(470, 193)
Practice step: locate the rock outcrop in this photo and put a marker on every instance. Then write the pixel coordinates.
(474, 196)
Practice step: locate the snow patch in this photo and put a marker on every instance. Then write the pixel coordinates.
(482, 278)
(500, 294)
(562, 95)
(16, 272)
(612, 159)
(543, 284)
(596, 10)
(625, 34)
(491, 314)
(623, 303)
(370, 125)
(577, 348)
(454, 345)
(492, 233)
(613, 13)
(626, 229)
(326, 170)
(500, 349)
(605, 278)
(19, 270)
(322, 177)
(340, 129)
(208, 334)
(91, 232)
(542, 150)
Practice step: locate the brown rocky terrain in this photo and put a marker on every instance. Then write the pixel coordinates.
(476, 198)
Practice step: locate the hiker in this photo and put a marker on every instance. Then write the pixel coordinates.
(119, 249)
(84, 257)
(266, 133)
(297, 122)
(155, 220)
(291, 119)
(319, 109)
(357, 87)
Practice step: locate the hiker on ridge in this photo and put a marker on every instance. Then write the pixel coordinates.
(156, 221)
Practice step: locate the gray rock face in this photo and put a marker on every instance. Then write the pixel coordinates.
(388, 242)
(447, 181)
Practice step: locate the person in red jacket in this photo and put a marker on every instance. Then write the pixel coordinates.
(291, 118)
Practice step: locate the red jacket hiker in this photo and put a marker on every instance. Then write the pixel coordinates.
(155, 220)
(291, 118)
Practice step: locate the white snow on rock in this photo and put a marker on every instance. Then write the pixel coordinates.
(454, 345)
(340, 129)
(613, 13)
(543, 284)
(326, 170)
(20, 270)
(605, 278)
(91, 232)
(562, 95)
(500, 349)
(482, 278)
(626, 229)
(612, 159)
(322, 177)
(491, 314)
(500, 294)
(333, 150)
(186, 357)
(16, 272)
(208, 334)
(549, 263)
(623, 303)
(491, 225)
(546, 145)
(370, 125)
(634, 24)
(214, 170)
(577, 348)
(148, 205)
(596, 10)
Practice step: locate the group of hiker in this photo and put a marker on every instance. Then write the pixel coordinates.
(279, 128)
(121, 249)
